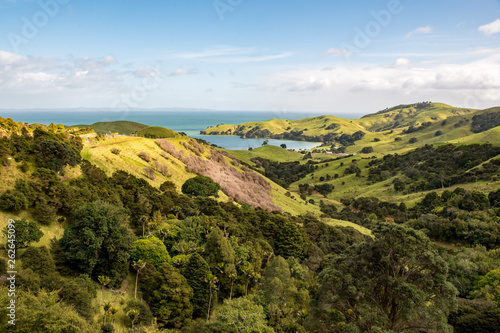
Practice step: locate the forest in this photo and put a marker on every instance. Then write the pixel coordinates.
(193, 263)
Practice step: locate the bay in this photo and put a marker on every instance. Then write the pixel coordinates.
(189, 122)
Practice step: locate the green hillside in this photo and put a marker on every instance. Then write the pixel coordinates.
(120, 127)
(110, 236)
(123, 154)
(410, 115)
(156, 132)
(386, 131)
(269, 152)
(311, 129)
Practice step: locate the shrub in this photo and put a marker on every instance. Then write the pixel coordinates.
(115, 151)
(150, 173)
(162, 168)
(145, 317)
(145, 156)
(168, 186)
(201, 186)
(413, 140)
(26, 232)
(398, 139)
(324, 189)
(3, 266)
(13, 201)
(438, 133)
(367, 150)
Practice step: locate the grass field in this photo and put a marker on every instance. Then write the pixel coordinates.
(347, 224)
(268, 152)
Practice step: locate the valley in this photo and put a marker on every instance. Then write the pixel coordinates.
(130, 204)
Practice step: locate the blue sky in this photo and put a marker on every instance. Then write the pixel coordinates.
(282, 55)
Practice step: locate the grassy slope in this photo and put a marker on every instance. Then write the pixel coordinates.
(120, 126)
(268, 152)
(357, 186)
(461, 134)
(156, 132)
(345, 224)
(435, 113)
(370, 123)
(128, 160)
(310, 126)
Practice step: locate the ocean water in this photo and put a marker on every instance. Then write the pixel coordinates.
(189, 122)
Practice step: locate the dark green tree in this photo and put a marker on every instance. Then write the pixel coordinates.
(145, 316)
(55, 155)
(26, 232)
(284, 302)
(324, 189)
(39, 260)
(201, 186)
(289, 241)
(396, 282)
(98, 242)
(367, 150)
(169, 296)
(475, 316)
(197, 274)
(220, 257)
(13, 201)
(399, 185)
(243, 315)
(151, 250)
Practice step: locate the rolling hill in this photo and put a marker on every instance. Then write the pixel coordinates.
(411, 176)
(386, 131)
(120, 127)
(181, 158)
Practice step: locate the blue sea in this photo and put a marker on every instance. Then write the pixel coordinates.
(189, 122)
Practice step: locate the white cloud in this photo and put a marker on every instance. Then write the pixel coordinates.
(47, 82)
(419, 31)
(49, 74)
(456, 84)
(490, 28)
(7, 58)
(402, 62)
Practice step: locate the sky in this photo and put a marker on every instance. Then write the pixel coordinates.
(321, 56)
